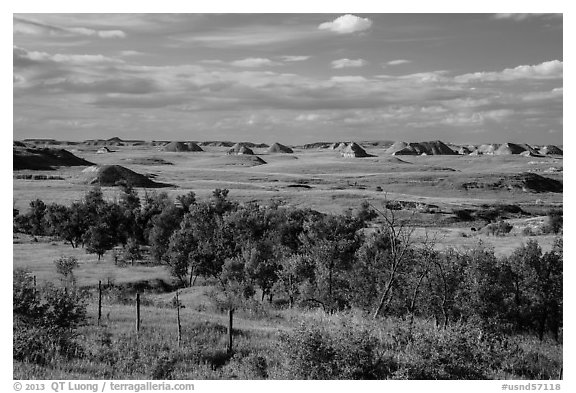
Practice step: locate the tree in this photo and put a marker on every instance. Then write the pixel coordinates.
(131, 251)
(445, 286)
(293, 271)
(98, 240)
(36, 221)
(163, 225)
(261, 266)
(65, 266)
(130, 208)
(330, 242)
(234, 289)
(537, 287)
(399, 238)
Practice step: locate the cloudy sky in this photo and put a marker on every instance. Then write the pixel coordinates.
(293, 78)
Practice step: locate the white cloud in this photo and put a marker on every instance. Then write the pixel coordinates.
(398, 62)
(348, 63)
(308, 117)
(295, 58)
(547, 70)
(519, 17)
(131, 53)
(23, 57)
(347, 24)
(252, 62)
(30, 27)
(348, 79)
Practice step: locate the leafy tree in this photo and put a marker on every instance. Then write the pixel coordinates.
(261, 266)
(36, 221)
(330, 242)
(163, 225)
(293, 271)
(234, 289)
(130, 207)
(131, 251)
(536, 298)
(65, 266)
(98, 240)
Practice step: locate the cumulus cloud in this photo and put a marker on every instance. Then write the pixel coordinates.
(346, 24)
(348, 63)
(547, 70)
(252, 62)
(295, 58)
(30, 27)
(398, 62)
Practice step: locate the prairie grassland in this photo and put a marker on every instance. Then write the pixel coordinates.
(320, 180)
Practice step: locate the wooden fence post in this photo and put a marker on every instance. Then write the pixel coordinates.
(137, 313)
(230, 319)
(178, 319)
(99, 301)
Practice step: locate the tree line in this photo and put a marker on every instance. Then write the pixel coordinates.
(296, 257)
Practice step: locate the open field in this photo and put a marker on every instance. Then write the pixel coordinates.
(319, 179)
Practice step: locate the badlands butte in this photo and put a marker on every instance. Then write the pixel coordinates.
(454, 190)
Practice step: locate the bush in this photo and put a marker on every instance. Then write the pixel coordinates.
(341, 352)
(453, 353)
(527, 231)
(554, 221)
(463, 214)
(501, 228)
(45, 320)
(66, 265)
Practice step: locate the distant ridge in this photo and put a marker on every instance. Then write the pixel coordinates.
(420, 148)
(279, 148)
(44, 158)
(354, 150)
(240, 149)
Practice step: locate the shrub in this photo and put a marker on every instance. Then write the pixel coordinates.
(341, 352)
(45, 320)
(463, 214)
(453, 353)
(66, 265)
(554, 221)
(527, 231)
(501, 228)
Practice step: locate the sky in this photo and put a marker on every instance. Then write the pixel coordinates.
(291, 78)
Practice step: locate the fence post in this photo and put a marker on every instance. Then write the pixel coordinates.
(178, 319)
(137, 313)
(230, 319)
(99, 301)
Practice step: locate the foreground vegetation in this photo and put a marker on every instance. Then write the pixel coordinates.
(315, 296)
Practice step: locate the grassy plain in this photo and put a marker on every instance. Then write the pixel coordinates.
(316, 178)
